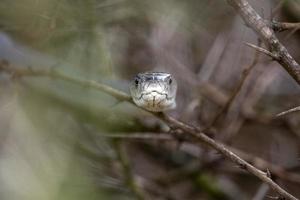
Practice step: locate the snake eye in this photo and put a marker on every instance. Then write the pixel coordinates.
(136, 81)
(170, 81)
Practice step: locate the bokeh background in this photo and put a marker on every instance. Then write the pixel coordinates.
(60, 140)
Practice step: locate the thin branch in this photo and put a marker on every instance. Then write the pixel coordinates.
(142, 136)
(129, 176)
(261, 192)
(283, 26)
(203, 138)
(266, 33)
(288, 111)
(237, 89)
(191, 133)
(262, 50)
(20, 72)
(274, 11)
(258, 162)
(274, 169)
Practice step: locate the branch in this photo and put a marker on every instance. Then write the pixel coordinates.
(20, 72)
(266, 33)
(129, 176)
(258, 162)
(283, 26)
(288, 111)
(140, 136)
(193, 134)
(274, 169)
(236, 90)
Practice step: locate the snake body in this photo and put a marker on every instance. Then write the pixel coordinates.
(154, 91)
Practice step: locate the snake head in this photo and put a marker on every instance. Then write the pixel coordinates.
(154, 91)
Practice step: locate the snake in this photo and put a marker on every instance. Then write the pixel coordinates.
(154, 91)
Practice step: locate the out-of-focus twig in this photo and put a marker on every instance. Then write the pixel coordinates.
(258, 162)
(237, 89)
(142, 136)
(275, 170)
(261, 192)
(275, 10)
(266, 33)
(288, 111)
(129, 176)
(191, 133)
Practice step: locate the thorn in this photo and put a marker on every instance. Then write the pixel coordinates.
(262, 50)
(268, 174)
(242, 166)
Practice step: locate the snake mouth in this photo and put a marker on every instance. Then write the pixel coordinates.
(154, 100)
(155, 92)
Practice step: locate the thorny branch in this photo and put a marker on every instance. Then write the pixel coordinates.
(258, 162)
(191, 133)
(266, 33)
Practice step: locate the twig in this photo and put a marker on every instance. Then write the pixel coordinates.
(266, 33)
(262, 50)
(130, 180)
(193, 133)
(283, 26)
(258, 162)
(275, 10)
(237, 89)
(276, 170)
(288, 111)
(20, 72)
(203, 138)
(261, 192)
(142, 136)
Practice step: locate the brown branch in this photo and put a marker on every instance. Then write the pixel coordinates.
(274, 169)
(266, 33)
(191, 133)
(283, 26)
(258, 162)
(203, 138)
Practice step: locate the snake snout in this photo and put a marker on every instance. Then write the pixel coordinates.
(153, 100)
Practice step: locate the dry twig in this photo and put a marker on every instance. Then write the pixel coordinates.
(266, 33)
(283, 26)
(129, 176)
(236, 90)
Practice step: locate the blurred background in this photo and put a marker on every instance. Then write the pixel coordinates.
(60, 140)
